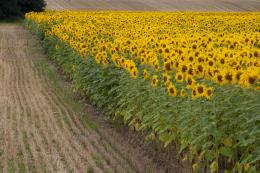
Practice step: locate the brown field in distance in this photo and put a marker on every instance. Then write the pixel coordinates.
(156, 5)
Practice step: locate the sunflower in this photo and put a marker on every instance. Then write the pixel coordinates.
(228, 77)
(210, 73)
(208, 93)
(222, 61)
(194, 95)
(211, 63)
(184, 68)
(200, 68)
(244, 80)
(252, 79)
(134, 73)
(94, 50)
(220, 79)
(190, 81)
(105, 62)
(166, 78)
(167, 66)
(237, 75)
(166, 50)
(191, 59)
(190, 71)
(142, 60)
(154, 81)
(155, 64)
(98, 58)
(145, 74)
(256, 54)
(179, 77)
(200, 89)
(172, 90)
(176, 64)
(160, 51)
(183, 93)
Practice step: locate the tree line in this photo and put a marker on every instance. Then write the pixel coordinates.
(10, 9)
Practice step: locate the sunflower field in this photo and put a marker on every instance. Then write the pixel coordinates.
(188, 79)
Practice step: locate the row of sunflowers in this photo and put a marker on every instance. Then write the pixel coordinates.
(189, 78)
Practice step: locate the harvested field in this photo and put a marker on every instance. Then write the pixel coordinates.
(154, 5)
(40, 130)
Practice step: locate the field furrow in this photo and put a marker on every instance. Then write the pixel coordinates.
(155, 5)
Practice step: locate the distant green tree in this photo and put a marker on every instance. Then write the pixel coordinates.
(17, 8)
(9, 9)
(31, 5)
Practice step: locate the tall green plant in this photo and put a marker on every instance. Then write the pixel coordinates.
(216, 135)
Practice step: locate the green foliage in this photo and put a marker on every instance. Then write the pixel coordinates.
(31, 5)
(16, 8)
(9, 9)
(216, 135)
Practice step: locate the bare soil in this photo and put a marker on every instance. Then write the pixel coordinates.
(156, 5)
(43, 129)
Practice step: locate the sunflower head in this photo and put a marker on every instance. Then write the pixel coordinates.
(244, 80)
(256, 54)
(252, 79)
(172, 90)
(190, 81)
(167, 66)
(184, 68)
(211, 63)
(179, 77)
(134, 73)
(210, 72)
(142, 60)
(98, 58)
(194, 94)
(190, 71)
(228, 77)
(220, 79)
(191, 59)
(237, 75)
(105, 61)
(200, 89)
(208, 93)
(200, 69)
(145, 74)
(166, 78)
(154, 81)
(222, 61)
(183, 93)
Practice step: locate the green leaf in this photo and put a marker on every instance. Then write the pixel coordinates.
(209, 155)
(226, 151)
